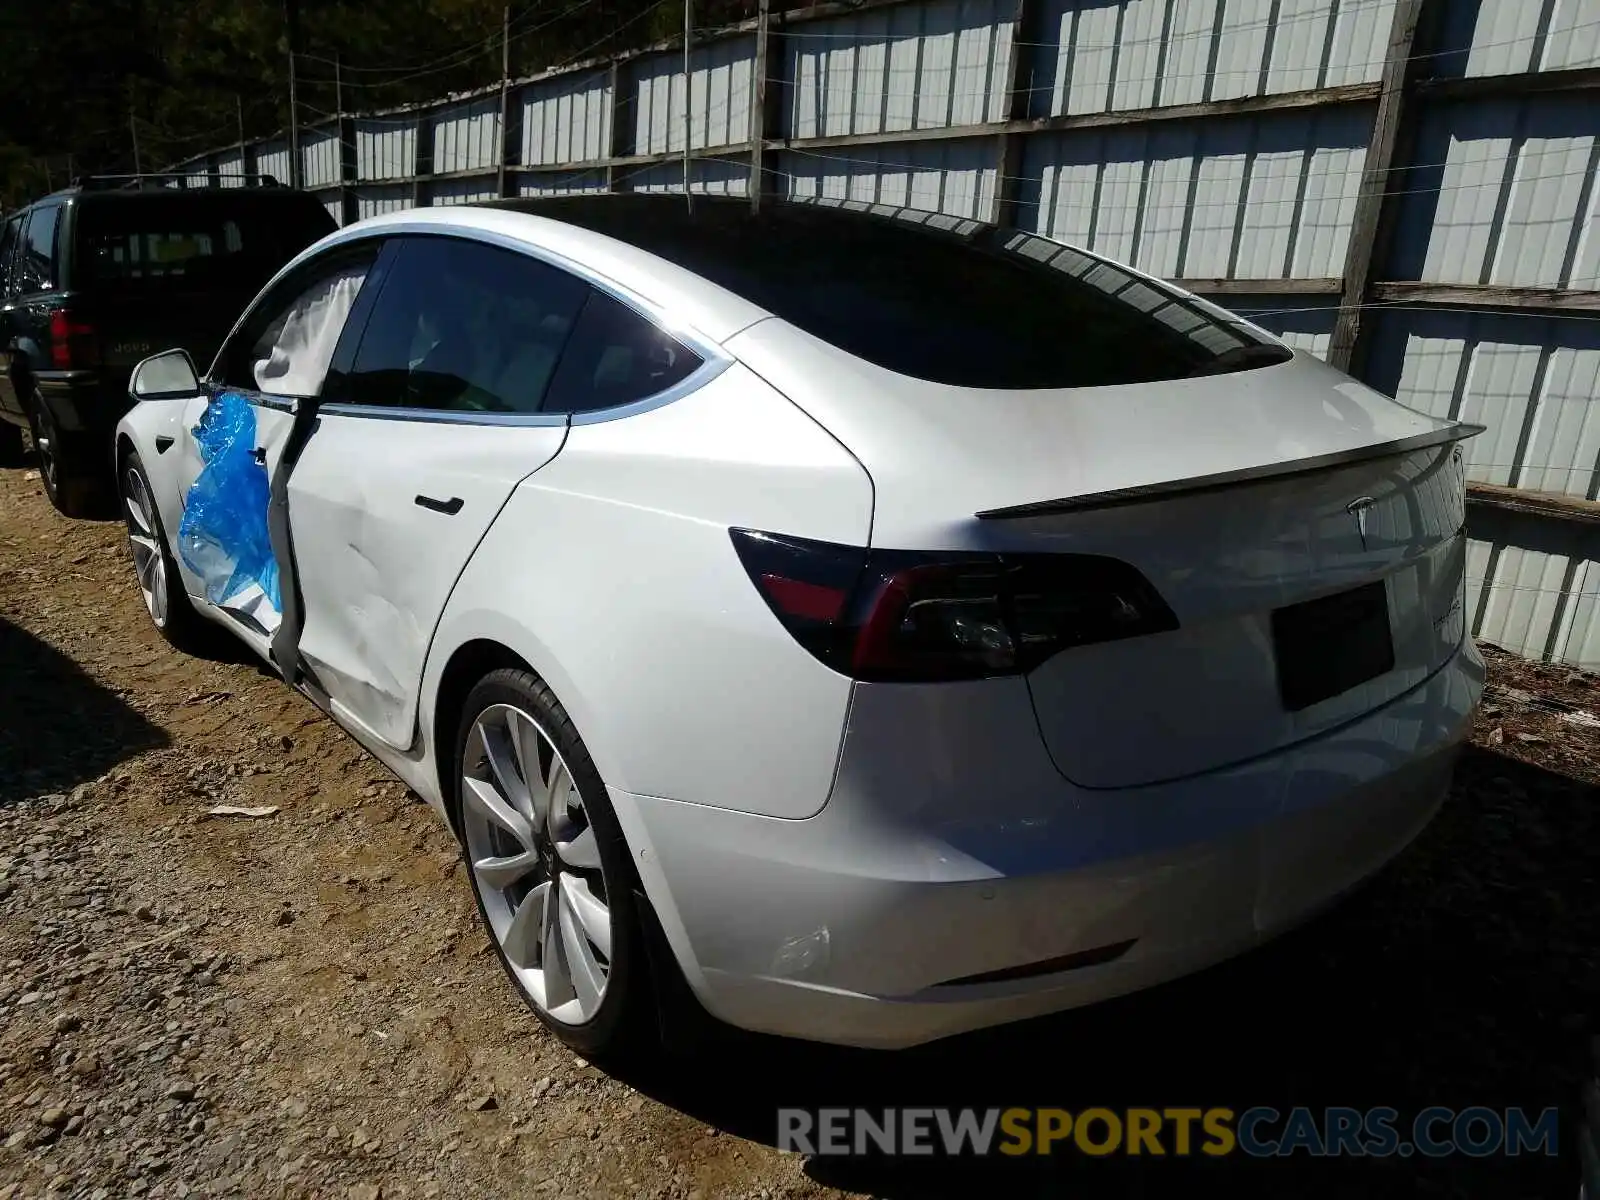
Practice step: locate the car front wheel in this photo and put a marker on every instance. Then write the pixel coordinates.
(549, 867)
(160, 585)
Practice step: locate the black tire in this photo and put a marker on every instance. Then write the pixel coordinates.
(72, 474)
(12, 451)
(182, 627)
(622, 1027)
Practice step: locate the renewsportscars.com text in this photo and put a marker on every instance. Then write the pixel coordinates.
(1259, 1132)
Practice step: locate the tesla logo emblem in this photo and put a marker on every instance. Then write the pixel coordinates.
(1357, 508)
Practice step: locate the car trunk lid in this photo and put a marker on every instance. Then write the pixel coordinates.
(1305, 530)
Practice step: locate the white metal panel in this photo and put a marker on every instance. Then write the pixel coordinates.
(1503, 194)
(273, 159)
(1185, 76)
(197, 177)
(1574, 36)
(463, 191)
(1304, 322)
(561, 183)
(714, 176)
(231, 167)
(1240, 47)
(319, 158)
(333, 202)
(1523, 600)
(385, 148)
(904, 67)
(1581, 645)
(467, 137)
(1563, 444)
(956, 177)
(1360, 42)
(374, 201)
(567, 119)
(1532, 382)
(1251, 198)
(722, 93)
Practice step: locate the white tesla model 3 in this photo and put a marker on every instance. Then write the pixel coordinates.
(907, 624)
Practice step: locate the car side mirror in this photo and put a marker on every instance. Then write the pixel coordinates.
(169, 375)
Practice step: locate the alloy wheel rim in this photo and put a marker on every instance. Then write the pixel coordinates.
(536, 864)
(148, 562)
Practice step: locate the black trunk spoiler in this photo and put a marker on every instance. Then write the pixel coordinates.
(1458, 431)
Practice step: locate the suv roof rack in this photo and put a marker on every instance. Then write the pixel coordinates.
(101, 183)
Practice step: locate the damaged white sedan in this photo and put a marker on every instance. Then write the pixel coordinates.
(884, 624)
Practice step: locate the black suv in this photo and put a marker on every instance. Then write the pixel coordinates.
(109, 271)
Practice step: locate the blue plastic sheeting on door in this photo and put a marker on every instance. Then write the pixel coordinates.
(223, 536)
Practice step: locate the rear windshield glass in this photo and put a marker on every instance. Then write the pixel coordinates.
(151, 244)
(936, 297)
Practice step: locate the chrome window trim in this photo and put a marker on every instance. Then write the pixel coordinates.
(440, 416)
(713, 359)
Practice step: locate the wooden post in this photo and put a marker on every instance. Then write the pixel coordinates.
(617, 81)
(766, 110)
(345, 130)
(422, 163)
(1008, 151)
(1347, 346)
(688, 97)
(291, 15)
(505, 102)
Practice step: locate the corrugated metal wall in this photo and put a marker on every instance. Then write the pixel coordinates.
(908, 104)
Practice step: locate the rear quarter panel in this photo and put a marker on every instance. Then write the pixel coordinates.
(611, 572)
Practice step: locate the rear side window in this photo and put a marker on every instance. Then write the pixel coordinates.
(8, 251)
(939, 298)
(161, 244)
(459, 325)
(615, 357)
(35, 269)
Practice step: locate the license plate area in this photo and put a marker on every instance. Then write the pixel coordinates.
(1330, 645)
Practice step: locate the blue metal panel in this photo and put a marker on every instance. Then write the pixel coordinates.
(462, 191)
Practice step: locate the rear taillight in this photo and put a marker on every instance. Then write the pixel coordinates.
(72, 343)
(902, 615)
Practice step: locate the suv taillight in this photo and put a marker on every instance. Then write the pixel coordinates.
(906, 615)
(71, 342)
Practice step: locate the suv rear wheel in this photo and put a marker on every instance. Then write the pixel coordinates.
(66, 466)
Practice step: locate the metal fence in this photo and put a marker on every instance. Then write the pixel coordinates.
(1406, 187)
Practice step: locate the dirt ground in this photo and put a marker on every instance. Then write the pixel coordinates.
(303, 1005)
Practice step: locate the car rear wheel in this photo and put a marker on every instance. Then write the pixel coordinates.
(160, 585)
(66, 468)
(549, 867)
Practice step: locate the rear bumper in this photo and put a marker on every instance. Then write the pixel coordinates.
(952, 848)
(85, 401)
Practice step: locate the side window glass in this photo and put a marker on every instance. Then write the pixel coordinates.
(35, 272)
(617, 356)
(286, 345)
(8, 250)
(465, 327)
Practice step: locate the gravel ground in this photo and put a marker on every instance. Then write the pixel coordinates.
(302, 1004)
